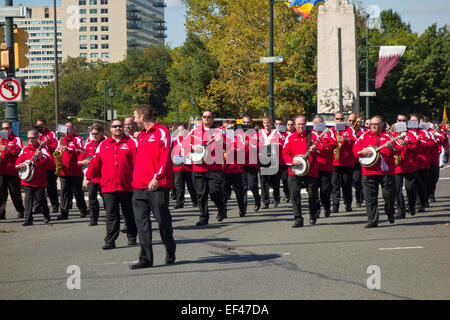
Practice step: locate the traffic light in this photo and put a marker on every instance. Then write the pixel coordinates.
(4, 56)
(20, 48)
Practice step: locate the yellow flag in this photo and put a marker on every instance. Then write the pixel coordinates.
(445, 116)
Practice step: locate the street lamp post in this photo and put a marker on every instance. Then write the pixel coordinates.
(111, 94)
(55, 29)
(271, 90)
(104, 100)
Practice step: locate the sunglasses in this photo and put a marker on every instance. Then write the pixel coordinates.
(31, 138)
(339, 118)
(5, 128)
(207, 117)
(398, 120)
(117, 126)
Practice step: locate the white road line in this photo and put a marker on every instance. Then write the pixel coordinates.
(444, 178)
(400, 248)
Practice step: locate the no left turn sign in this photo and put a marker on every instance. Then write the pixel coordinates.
(10, 90)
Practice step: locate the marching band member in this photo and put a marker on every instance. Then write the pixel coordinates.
(290, 127)
(182, 174)
(113, 162)
(353, 120)
(207, 175)
(424, 143)
(35, 188)
(284, 172)
(152, 180)
(93, 182)
(251, 166)
(71, 177)
(130, 127)
(233, 168)
(434, 153)
(10, 149)
(270, 141)
(382, 173)
(299, 143)
(51, 145)
(406, 170)
(343, 163)
(325, 168)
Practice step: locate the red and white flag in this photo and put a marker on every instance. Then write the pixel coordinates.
(388, 58)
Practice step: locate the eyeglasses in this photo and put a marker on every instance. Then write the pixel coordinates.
(117, 126)
(95, 133)
(339, 118)
(348, 120)
(398, 120)
(31, 138)
(207, 117)
(5, 128)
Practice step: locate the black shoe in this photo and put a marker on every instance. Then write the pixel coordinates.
(27, 224)
(312, 220)
(391, 219)
(124, 230)
(335, 209)
(275, 205)
(132, 242)
(201, 223)
(242, 214)
(432, 199)
(141, 265)
(256, 207)
(348, 208)
(318, 214)
(412, 211)
(2, 218)
(427, 205)
(327, 213)
(371, 225)
(62, 218)
(220, 217)
(92, 223)
(47, 220)
(83, 214)
(178, 206)
(398, 216)
(421, 209)
(298, 223)
(265, 206)
(109, 246)
(170, 260)
(55, 209)
(358, 204)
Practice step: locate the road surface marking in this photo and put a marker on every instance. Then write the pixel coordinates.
(400, 248)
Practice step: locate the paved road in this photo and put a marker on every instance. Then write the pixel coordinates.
(256, 257)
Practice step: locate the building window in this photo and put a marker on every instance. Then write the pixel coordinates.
(82, 20)
(94, 46)
(83, 46)
(93, 2)
(105, 19)
(93, 29)
(105, 55)
(82, 11)
(105, 46)
(83, 29)
(105, 37)
(93, 38)
(94, 55)
(93, 11)
(83, 55)
(103, 1)
(105, 28)
(93, 20)
(83, 38)
(104, 11)
(82, 2)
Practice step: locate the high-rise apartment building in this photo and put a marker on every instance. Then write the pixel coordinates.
(105, 29)
(41, 55)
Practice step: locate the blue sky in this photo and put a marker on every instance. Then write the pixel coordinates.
(418, 13)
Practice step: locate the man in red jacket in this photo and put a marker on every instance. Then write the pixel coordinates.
(93, 182)
(10, 149)
(114, 161)
(51, 145)
(35, 188)
(382, 173)
(298, 143)
(152, 181)
(342, 176)
(72, 176)
(325, 167)
(251, 166)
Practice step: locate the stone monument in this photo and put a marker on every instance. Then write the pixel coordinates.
(337, 59)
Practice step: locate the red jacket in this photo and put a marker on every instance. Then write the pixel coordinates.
(200, 135)
(370, 139)
(153, 158)
(51, 145)
(408, 161)
(271, 138)
(9, 157)
(424, 143)
(91, 148)
(234, 157)
(70, 165)
(178, 150)
(346, 159)
(251, 148)
(297, 144)
(114, 160)
(42, 163)
(435, 149)
(326, 156)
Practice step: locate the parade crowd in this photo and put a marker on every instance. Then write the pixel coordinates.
(135, 173)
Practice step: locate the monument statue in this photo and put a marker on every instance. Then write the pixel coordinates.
(337, 59)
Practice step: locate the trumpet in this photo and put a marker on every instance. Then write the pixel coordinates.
(337, 151)
(357, 125)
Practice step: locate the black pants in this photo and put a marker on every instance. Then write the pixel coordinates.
(210, 182)
(324, 185)
(357, 182)
(52, 191)
(250, 182)
(371, 185)
(342, 177)
(410, 179)
(112, 202)
(284, 174)
(69, 184)
(94, 207)
(11, 184)
(235, 180)
(31, 195)
(423, 176)
(267, 182)
(157, 202)
(181, 179)
(433, 180)
(295, 186)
